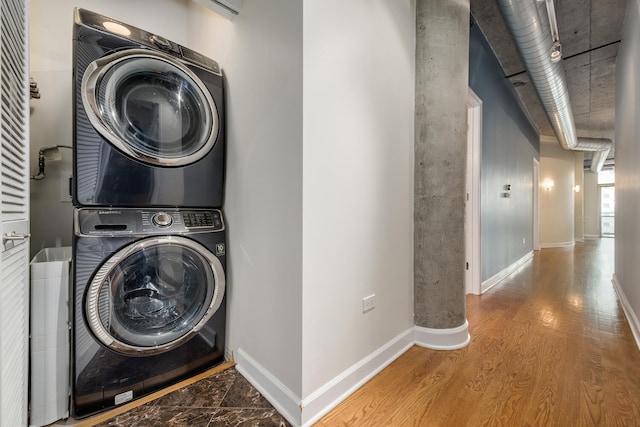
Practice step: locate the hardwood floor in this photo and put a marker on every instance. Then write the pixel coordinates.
(550, 346)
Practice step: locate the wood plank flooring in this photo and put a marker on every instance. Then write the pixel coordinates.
(550, 346)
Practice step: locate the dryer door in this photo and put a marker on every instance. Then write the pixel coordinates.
(154, 294)
(151, 107)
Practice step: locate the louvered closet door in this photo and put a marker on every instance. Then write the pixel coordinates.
(14, 219)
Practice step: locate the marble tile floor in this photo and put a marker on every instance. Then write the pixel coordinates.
(224, 399)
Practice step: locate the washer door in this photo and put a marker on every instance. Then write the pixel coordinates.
(154, 294)
(151, 107)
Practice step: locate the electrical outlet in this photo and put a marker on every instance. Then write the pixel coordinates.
(368, 303)
(523, 240)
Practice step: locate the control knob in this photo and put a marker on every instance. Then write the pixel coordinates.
(162, 219)
(161, 42)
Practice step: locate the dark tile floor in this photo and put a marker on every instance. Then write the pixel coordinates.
(223, 399)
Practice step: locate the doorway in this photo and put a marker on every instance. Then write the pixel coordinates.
(607, 204)
(472, 206)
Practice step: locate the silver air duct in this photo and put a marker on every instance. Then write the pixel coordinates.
(529, 25)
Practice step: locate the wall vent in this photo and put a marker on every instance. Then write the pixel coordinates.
(226, 8)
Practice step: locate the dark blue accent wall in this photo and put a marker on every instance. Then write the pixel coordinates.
(509, 144)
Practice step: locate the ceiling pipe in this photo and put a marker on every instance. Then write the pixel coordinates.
(529, 25)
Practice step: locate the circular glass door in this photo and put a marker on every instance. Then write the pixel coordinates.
(151, 107)
(154, 294)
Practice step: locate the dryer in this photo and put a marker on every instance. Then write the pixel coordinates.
(148, 302)
(148, 119)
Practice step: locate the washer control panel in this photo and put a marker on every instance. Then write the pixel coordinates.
(128, 221)
(202, 219)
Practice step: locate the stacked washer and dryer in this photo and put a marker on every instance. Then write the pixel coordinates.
(149, 247)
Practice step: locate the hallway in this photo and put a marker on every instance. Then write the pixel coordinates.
(550, 346)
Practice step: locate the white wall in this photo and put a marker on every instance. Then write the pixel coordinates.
(319, 181)
(627, 268)
(261, 55)
(557, 204)
(591, 208)
(358, 180)
(51, 115)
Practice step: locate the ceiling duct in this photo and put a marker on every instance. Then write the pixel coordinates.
(529, 24)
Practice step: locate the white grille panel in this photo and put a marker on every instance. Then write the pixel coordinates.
(14, 213)
(13, 336)
(14, 110)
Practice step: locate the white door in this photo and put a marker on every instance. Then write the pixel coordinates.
(14, 215)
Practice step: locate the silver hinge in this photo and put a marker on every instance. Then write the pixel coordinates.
(13, 236)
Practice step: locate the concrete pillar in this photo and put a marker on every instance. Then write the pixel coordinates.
(442, 82)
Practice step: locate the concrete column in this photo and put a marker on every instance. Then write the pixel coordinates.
(442, 81)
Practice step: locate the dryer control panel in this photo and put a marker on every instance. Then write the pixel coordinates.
(128, 221)
(108, 25)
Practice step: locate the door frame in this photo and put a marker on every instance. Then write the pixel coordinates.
(536, 205)
(473, 247)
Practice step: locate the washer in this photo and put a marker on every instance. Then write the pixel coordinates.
(148, 304)
(148, 119)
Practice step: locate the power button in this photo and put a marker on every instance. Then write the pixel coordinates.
(162, 219)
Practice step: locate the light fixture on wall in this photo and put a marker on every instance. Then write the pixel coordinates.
(576, 188)
(548, 184)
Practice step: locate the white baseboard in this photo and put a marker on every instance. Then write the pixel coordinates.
(632, 319)
(443, 339)
(284, 400)
(327, 397)
(307, 411)
(499, 277)
(557, 245)
(591, 236)
(580, 240)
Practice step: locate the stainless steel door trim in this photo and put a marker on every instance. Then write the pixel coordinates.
(91, 81)
(98, 281)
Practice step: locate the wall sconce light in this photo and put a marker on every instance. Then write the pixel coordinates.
(548, 184)
(577, 188)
